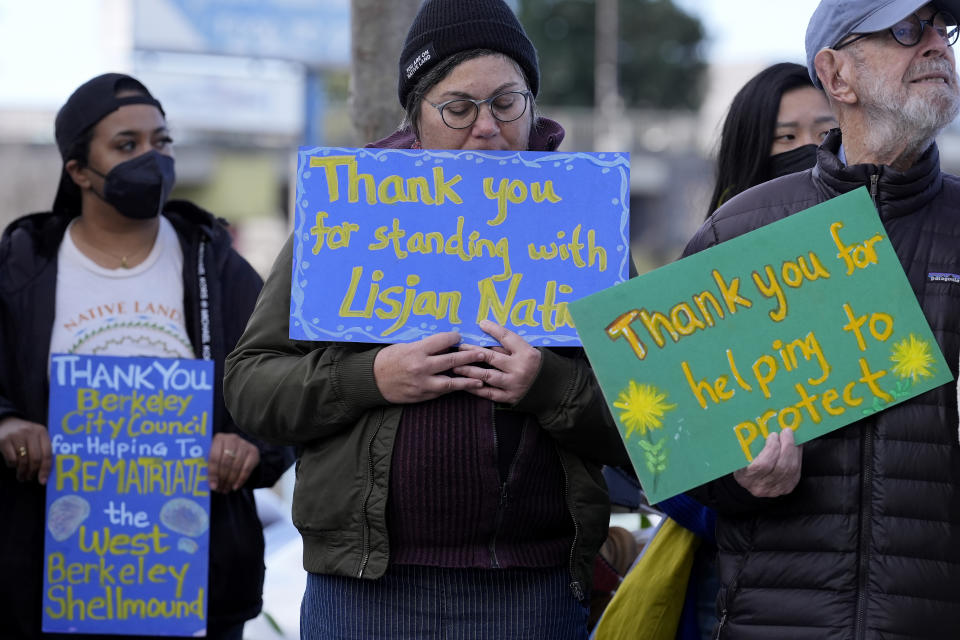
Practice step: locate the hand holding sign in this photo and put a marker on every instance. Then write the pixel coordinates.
(514, 365)
(776, 470)
(413, 372)
(26, 447)
(232, 460)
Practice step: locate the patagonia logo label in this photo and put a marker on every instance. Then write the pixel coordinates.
(944, 277)
(418, 61)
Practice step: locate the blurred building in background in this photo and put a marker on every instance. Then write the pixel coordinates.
(243, 83)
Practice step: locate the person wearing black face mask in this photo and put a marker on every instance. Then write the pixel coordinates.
(116, 268)
(773, 128)
(138, 188)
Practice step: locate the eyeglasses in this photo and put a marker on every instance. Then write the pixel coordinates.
(909, 31)
(462, 112)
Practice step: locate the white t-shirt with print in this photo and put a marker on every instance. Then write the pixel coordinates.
(122, 312)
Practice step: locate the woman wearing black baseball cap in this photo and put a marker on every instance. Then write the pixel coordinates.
(118, 269)
(438, 498)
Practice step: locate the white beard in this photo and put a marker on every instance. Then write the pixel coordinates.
(904, 119)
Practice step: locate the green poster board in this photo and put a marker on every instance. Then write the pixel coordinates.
(808, 323)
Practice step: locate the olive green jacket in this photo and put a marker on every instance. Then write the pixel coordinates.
(323, 398)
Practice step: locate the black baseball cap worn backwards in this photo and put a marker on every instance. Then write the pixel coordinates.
(89, 104)
(445, 27)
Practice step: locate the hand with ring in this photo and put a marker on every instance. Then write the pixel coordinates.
(232, 460)
(25, 447)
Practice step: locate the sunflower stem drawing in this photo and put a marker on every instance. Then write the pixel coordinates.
(643, 407)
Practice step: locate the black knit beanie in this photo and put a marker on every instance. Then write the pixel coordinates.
(445, 27)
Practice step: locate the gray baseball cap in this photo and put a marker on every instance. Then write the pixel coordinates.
(835, 19)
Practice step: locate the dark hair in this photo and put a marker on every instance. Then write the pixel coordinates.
(439, 72)
(743, 160)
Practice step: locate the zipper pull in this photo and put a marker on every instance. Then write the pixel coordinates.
(873, 189)
(577, 589)
(723, 621)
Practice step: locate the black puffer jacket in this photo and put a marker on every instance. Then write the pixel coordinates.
(868, 544)
(28, 278)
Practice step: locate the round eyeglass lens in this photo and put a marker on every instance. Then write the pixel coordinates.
(509, 106)
(459, 114)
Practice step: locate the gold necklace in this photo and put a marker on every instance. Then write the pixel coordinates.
(123, 259)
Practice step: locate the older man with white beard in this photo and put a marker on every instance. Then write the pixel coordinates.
(861, 541)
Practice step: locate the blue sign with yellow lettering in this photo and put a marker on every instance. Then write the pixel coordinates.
(391, 245)
(128, 503)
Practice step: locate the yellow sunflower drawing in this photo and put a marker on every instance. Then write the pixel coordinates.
(911, 358)
(643, 407)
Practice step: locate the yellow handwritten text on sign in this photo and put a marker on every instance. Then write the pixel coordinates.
(402, 243)
(807, 324)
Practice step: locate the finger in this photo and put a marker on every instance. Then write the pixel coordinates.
(765, 463)
(439, 385)
(791, 454)
(439, 342)
(509, 340)
(450, 361)
(47, 462)
(35, 446)
(490, 377)
(493, 394)
(250, 462)
(214, 462)
(497, 349)
(496, 357)
(230, 465)
(9, 453)
(787, 439)
(23, 462)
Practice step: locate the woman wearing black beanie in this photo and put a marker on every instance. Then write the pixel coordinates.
(441, 493)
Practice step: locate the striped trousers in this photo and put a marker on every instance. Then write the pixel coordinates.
(432, 603)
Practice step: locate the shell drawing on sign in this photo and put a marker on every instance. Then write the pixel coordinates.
(184, 516)
(187, 544)
(65, 516)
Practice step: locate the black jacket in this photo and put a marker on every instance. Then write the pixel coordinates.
(868, 544)
(28, 279)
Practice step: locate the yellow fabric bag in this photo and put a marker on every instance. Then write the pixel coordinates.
(648, 603)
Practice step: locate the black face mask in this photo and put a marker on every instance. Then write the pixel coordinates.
(792, 161)
(138, 188)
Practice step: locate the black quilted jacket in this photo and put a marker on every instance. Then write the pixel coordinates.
(868, 544)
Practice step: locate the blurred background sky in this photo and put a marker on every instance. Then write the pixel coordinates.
(43, 59)
(747, 30)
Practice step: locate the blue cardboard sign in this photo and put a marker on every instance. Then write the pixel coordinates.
(391, 245)
(128, 503)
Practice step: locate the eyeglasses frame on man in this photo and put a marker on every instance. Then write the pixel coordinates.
(949, 37)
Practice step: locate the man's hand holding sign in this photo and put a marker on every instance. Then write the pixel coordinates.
(776, 471)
